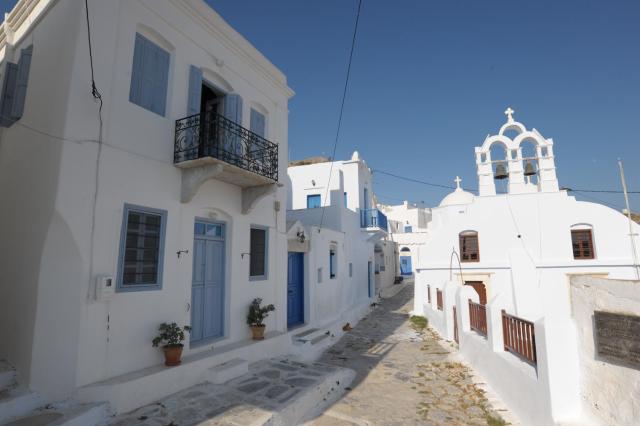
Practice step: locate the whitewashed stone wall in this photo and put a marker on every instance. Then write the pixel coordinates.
(610, 393)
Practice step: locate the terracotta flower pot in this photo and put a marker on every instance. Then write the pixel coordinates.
(172, 355)
(258, 332)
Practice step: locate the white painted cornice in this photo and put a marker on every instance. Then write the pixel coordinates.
(203, 15)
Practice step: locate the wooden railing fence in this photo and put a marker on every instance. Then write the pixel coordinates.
(519, 337)
(478, 318)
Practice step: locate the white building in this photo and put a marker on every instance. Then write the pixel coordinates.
(340, 219)
(169, 206)
(408, 228)
(517, 252)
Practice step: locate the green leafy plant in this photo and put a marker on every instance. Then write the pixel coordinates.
(258, 313)
(170, 335)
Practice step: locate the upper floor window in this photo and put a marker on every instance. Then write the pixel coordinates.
(257, 123)
(408, 229)
(149, 75)
(14, 88)
(582, 242)
(469, 248)
(141, 249)
(313, 201)
(258, 254)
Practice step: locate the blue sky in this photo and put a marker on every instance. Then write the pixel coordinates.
(430, 79)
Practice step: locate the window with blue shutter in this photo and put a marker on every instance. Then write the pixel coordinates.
(257, 124)
(141, 249)
(313, 201)
(14, 88)
(24, 64)
(8, 94)
(149, 75)
(195, 90)
(258, 253)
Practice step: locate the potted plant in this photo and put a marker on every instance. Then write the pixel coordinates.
(256, 317)
(171, 337)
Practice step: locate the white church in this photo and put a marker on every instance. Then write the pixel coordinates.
(494, 272)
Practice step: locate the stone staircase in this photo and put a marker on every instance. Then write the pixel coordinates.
(20, 406)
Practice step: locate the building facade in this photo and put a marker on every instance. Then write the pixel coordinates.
(343, 204)
(408, 228)
(503, 290)
(163, 202)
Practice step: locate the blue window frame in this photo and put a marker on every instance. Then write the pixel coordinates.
(149, 75)
(333, 266)
(141, 257)
(408, 229)
(259, 243)
(313, 201)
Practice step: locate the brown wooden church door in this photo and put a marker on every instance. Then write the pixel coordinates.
(480, 288)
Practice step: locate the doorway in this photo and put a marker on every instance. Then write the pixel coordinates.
(207, 289)
(295, 289)
(480, 288)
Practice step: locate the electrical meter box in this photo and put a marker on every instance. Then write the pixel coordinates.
(105, 287)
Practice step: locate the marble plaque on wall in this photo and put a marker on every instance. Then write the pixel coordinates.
(617, 338)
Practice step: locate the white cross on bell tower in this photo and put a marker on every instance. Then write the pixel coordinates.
(457, 180)
(509, 113)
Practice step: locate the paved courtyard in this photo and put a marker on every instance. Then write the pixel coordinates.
(405, 375)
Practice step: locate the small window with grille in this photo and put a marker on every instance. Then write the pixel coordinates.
(469, 247)
(582, 243)
(141, 249)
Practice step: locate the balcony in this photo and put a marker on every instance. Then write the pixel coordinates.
(373, 218)
(210, 146)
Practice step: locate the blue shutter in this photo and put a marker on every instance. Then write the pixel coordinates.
(160, 79)
(233, 111)
(8, 94)
(149, 76)
(257, 124)
(135, 90)
(233, 108)
(24, 64)
(195, 90)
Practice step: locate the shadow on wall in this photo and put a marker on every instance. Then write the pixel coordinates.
(62, 287)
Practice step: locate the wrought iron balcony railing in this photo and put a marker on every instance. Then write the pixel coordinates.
(373, 218)
(212, 135)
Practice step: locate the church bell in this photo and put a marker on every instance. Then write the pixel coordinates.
(501, 172)
(529, 170)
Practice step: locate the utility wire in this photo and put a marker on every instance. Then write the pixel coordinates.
(97, 97)
(344, 96)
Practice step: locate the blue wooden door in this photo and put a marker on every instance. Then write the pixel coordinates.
(295, 289)
(405, 265)
(207, 292)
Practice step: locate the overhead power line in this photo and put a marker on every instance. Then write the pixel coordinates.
(344, 96)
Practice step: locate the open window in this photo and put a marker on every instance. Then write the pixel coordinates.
(469, 247)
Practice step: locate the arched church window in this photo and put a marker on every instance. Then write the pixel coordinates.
(405, 249)
(469, 247)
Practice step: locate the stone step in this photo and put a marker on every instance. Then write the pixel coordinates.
(229, 370)
(7, 376)
(17, 402)
(65, 414)
(320, 338)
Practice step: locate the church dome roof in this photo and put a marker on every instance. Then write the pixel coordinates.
(457, 197)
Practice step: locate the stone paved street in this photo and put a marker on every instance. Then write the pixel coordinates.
(405, 375)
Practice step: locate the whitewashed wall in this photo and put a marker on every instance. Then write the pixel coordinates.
(50, 270)
(610, 393)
